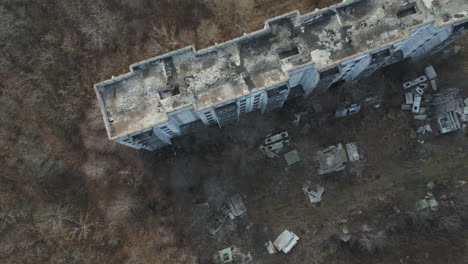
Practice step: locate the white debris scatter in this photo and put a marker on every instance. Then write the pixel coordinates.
(286, 241)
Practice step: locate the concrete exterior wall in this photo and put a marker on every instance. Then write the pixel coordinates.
(422, 41)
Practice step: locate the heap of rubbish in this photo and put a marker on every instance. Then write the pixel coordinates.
(435, 112)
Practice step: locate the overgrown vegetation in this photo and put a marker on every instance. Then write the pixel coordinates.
(67, 194)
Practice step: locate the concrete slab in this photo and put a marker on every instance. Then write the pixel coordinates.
(292, 157)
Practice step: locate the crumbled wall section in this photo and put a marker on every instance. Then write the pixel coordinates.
(162, 97)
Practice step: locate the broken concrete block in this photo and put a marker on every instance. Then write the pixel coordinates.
(275, 138)
(346, 235)
(433, 204)
(215, 222)
(466, 101)
(409, 98)
(421, 205)
(416, 104)
(286, 241)
(271, 249)
(420, 117)
(352, 151)
(292, 157)
(433, 85)
(267, 152)
(314, 192)
(430, 72)
(236, 207)
(419, 90)
(406, 107)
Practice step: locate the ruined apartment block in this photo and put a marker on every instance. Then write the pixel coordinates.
(166, 96)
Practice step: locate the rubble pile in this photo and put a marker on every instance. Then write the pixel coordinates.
(435, 112)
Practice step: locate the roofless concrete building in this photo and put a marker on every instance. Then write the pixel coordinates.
(163, 97)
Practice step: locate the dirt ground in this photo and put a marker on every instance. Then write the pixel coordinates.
(70, 195)
(219, 163)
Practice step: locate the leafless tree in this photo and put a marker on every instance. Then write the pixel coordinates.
(208, 32)
(82, 228)
(53, 219)
(373, 241)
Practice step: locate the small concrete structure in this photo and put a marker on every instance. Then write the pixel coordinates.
(333, 158)
(273, 145)
(232, 255)
(292, 56)
(286, 241)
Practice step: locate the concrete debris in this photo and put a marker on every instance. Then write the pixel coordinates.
(346, 235)
(314, 191)
(416, 104)
(420, 117)
(430, 185)
(406, 107)
(430, 72)
(286, 241)
(271, 249)
(433, 204)
(414, 82)
(396, 209)
(278, 137)
(422, 204)
(232, 255)
(424, 129)
(409, 98)
(353, 154)
(433, 85)
(292, 157)
(235, 207)
(353, 109)
(215, 222)
(420, 91)
(448, 110)
(273, 145)
(297, 119)
(333, 158)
